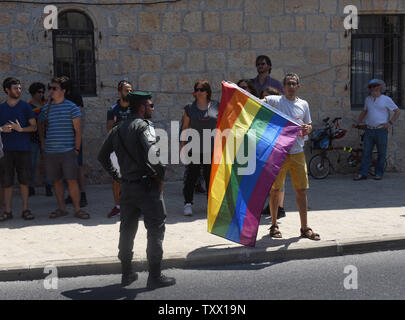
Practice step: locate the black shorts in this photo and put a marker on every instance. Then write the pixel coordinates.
(15, 161)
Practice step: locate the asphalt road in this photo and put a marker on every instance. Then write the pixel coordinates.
(370, 276)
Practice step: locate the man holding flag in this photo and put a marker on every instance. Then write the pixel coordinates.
(295, 163)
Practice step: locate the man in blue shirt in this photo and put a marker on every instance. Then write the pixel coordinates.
(60, 135)
(17, 121)
(117, 113)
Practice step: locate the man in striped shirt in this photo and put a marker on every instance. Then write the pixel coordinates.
(60, 135)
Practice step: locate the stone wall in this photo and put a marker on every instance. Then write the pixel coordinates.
(166, 47)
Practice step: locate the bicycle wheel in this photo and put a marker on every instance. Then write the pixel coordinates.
(319, 166)
(374, 157)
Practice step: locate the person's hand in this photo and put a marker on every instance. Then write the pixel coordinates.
(6, 128)
(386, 125)
(15, 126)
(306, 128)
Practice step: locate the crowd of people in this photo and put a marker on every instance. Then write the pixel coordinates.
(52, 129)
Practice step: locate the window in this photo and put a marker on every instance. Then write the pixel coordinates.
(377, 48)
(73, 50)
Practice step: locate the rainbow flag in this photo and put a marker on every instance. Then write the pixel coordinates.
(236, 196)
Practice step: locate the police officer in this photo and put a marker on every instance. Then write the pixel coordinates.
(141, 187)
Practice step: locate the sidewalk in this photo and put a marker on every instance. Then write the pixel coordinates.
(351, 217)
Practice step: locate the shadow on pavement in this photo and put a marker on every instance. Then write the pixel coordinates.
(111, 292)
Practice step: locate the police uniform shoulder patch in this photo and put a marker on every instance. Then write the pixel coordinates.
(149, 132)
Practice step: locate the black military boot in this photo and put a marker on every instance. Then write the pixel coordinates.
(128, 276)
(157, 280)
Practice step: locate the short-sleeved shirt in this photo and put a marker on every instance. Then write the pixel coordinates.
(270, 82)
(16, 141)
(298, 110)
(118, 113)
(378, 111)
(60, 133)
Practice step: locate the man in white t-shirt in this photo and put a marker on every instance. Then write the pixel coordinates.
(376, 113)
(295, 162)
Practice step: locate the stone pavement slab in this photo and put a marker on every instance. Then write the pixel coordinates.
(367, 214)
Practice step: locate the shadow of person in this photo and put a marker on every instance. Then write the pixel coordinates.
(267, 242)
(111, 292)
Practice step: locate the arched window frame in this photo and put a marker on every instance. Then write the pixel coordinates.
(83, 73)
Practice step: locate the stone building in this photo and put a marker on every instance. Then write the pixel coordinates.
(165, 47)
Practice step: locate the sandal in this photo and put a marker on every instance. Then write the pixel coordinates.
(313, 236)
(58, 213)
(6, 216)
(275, 233)
(82, 215)
(27, 215)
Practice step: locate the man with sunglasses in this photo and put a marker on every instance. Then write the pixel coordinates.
(17, 122)
(141, 180)
(60, 134)
(376, 112)
(117, 113)
(295, 163)
(263, 79)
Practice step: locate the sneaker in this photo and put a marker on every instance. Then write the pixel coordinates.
(114, 212)
(31, 191)
(160, 282)
(359, 177)
(280, 214)
(68, 200)
(48, 190)
(188, 212)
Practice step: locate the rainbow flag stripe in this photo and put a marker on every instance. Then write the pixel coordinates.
(236, 199)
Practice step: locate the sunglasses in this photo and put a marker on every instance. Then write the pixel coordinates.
(261, 64)
(53, 88)
(42, 92)
(200, 90)
(374, 86)
(292, 84)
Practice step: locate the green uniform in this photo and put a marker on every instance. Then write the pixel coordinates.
(132, 140)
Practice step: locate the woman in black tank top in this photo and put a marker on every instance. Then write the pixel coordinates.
(200, 115)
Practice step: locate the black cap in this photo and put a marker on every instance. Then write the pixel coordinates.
(134, 97)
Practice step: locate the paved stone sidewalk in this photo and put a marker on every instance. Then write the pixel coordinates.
(341, 211)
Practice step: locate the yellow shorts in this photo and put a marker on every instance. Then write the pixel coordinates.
(296, 164)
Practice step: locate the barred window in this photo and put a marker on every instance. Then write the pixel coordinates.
(377, 48)
(73, 50)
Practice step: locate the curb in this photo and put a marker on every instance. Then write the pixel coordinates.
(210, 257)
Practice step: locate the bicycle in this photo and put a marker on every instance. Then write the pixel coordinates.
(320, 165)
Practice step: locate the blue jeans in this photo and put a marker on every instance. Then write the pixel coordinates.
(35, 148)
(373, 137)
